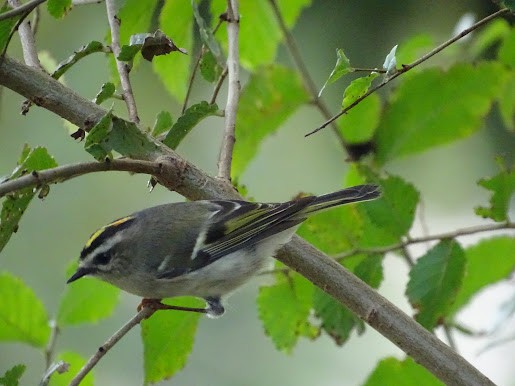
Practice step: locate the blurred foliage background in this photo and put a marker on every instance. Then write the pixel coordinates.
(233, 350)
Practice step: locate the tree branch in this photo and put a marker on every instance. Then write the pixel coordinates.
(30, 53)
(321, 270)
(233, 94)
(128, 96)
(27, 7)
(407, 67)
(145, 313)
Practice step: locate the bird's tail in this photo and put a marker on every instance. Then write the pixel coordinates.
(341, 197)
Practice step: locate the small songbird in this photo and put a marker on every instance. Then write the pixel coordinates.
(204, 248)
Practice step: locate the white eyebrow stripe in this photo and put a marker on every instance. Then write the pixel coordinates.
(105, 246)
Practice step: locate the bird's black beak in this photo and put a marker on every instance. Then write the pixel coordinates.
(81, 271)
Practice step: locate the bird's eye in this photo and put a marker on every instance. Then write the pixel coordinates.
(102, 258)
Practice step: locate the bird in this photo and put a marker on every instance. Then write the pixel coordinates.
(205, 248)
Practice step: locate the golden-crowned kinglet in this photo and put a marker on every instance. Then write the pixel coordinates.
(202, 248)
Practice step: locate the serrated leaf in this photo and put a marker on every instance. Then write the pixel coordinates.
(502, 185)
(341, 68)
(6, 26)
(86, 301)
(106, 92)
(337, 320)
(357, 88)
(22, 315)
(12, 376)
(433, 107)
(176, 20)
(488, 262)
(191, 117)
(269, 98)
(128, 52)
(95, 143)
(168, 340)
(394, 211)
(401, 373)
(360, 123)
(333, 231)
(434, 282)
(209, 68)
(163, 123)
(15, 204)
(284, 309)
(489, 35)
(413, 47)
(58, 8)
(207, 35)
(259, 33)
(75, 363)
(81, 53)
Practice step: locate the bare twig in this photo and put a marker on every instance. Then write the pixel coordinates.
(218, 86)
(102, 350)
(321, 270)
(423, 239)
(86, 2)
(21, 9)
(30, 53)
(59, 367)
(66, 172)
(306, 77)
(407, 67)
(233, 94)
(49, 350)
(123, 71)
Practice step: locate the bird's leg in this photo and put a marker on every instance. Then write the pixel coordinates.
(156, 304)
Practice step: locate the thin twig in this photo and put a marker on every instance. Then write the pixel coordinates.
(50, 348)
(128, 96)
(28, 43)
(450, 339)
(145, 313)
(423, 239)
(218, 86)
(86, 2)
(233, 94)
(19, 10)
(66, 172)
(304, 73)
(407, 67)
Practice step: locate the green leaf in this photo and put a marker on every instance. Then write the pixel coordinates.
(58, 8)
(269, 98)
(163, 123)
(507, 49)
(337, 320)
(106, 92)
(333, 231)
(360, 123)
(489, 35)
(191, 117)
(413, 47)
(75, 362)
(434, 282)
(209, 68)
(128, 52)
(506, 102)
(341, 68)
(259, 33)
(502, 185)
(433, 107)
(12, 376)
(401, 373)
(207, 35)
(284, 309)
(168, 340)
(6, 26)
(176, 20)
(84, 51)
(394, 211)
(357, 88)
(95, 143)
(15, 204)
(22, 315)
(86, 301)
(488, 262)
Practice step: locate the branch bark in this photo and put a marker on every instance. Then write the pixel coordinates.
(28, 43)
(19, 10)
(321, 270)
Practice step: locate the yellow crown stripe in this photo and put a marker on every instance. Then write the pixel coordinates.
(110, 225)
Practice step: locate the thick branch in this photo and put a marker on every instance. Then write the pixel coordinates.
(325, 273)
(233, 93)
(123, 71)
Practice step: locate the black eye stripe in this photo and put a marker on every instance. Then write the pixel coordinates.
(105, 233)
(102, 258)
